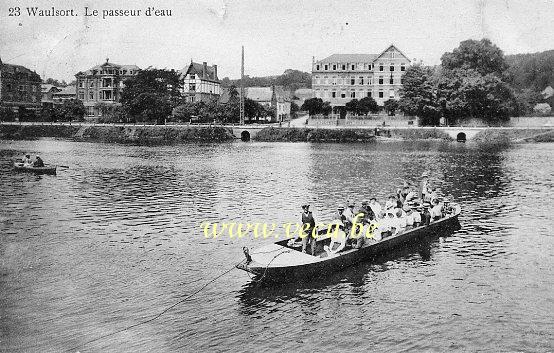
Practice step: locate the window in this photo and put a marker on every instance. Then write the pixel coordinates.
(380, 94)
(402, 67)
(361, 80)
(369, 81)
(369, 93)
(381, 67)
(352, 94)
(391, 67)
(343, 95)
(343, 67)
(334, 67)
(91, 95)
(81, 84)
(333, 94)
(192, 77)
(192, 87)
(353, 67)
(317, 67)
(393, 54)
(380, 80)
(352, 81)
(391, 81)
(81, 95)
(326, 67)
(91, 84)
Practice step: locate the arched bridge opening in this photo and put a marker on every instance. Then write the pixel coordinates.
(245, 136)
(461, 137)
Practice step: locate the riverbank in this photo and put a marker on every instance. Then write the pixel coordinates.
(173, 134)
(293, 134)
(150, 134)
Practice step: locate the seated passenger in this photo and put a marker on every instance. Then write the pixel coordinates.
(27, 162)
(375, 206)
(436, 210)
(401, 220)
(412, 195)
(38, 162)
(416, 215)
(409, 216)
(391, 203)
(338, 242)
(426, 215)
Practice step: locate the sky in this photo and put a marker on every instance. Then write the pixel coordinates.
(276, 34)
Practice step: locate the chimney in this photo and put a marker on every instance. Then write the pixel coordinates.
(215, 72)
(204, 69)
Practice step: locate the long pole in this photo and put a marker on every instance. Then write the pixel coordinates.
(242, 88)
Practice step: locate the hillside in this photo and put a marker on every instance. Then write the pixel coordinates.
(290, 79)
(531, 71)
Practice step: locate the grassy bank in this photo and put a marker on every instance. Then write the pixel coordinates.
(509, 136)
(118, 134)
(314, 135)
(416, 134)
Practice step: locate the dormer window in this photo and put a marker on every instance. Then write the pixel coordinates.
(192, 77)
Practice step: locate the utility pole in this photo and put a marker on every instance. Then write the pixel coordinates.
(242, 88)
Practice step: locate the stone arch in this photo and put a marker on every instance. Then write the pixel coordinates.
(245, 136)
(461, 137)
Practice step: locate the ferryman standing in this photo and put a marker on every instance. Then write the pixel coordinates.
(308, 225)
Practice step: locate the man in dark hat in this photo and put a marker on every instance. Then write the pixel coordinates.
(38, 162)
(308, 225)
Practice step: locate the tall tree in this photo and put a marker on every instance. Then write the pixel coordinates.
(418, 95)
(152, 86)
(313, 106)
(352, 106)
(391, 105)
(367, 104)
(479, 55)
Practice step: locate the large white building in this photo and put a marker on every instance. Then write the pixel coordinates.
(340, 78)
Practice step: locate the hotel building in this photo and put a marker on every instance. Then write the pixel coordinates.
(340, 78)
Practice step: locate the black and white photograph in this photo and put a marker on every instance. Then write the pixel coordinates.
(276, 176)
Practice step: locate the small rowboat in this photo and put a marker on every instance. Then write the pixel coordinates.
(47, 169)
(279, 262)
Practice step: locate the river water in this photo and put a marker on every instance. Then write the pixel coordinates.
(116, 238)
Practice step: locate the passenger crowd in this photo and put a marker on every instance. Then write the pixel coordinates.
(371, 222)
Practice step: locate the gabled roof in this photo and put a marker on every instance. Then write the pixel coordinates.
(349, 58)
(398, 50)
(69, 90)
(19, 69)
(47, 87)
(198, 69)
(258, 94)
(304, 92)
(357, 58)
